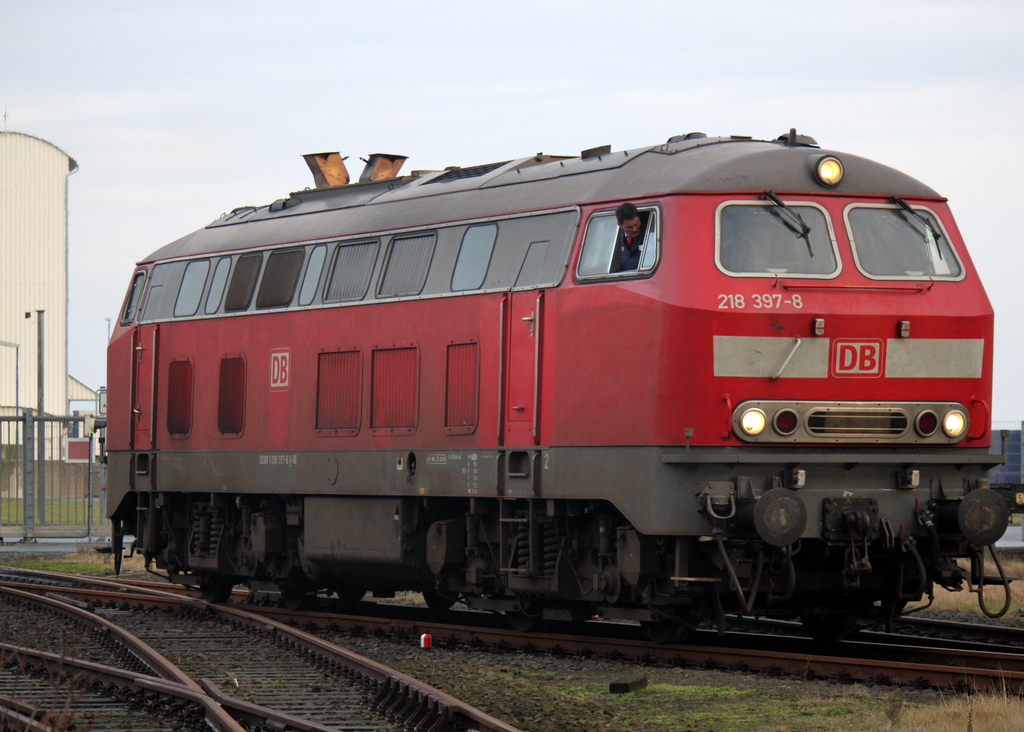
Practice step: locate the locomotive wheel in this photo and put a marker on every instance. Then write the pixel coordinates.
(436, 601)
(294, 598)
(215, 587)
(671, 629)
(350, 595)
(524, 623)
(829, 628)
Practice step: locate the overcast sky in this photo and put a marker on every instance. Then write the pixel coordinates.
(177, 112)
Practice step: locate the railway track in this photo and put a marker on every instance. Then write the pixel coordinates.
(231, 670)
(871, 657)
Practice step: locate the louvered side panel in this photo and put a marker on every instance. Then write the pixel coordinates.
(462, 388)
(394, 389)
(338, 389)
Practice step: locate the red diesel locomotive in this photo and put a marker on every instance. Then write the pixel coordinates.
(443, 382)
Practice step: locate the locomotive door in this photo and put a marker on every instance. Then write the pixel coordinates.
(144, 363)
(522, 381)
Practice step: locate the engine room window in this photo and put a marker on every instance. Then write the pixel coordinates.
(220, 280)
(894, 243)
(312, 277)
(280, 278)
(191, 291)
(407, 266)
(601, 256)
(131, 303)
(179, 398)
(231, 402)
(350, 274)
(243, 282)
(474, 256)
(769, 239)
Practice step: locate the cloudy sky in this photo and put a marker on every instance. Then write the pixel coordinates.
(177, 112)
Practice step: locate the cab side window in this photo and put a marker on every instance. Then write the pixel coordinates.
(603, 253)
(131, 303)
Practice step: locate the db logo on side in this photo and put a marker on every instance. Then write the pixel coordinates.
(857, 357)
(280, 369)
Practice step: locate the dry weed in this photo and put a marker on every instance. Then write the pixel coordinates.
(976, 713)
(967, 602)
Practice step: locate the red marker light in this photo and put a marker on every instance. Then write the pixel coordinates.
(425, 641)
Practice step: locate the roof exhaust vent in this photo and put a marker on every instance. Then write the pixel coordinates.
(596, 152)
(380, 167)
(328, 169)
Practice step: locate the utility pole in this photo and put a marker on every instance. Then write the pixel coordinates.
(40, 423)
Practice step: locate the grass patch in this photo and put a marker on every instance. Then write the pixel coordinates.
(686, 706)
(59, 512)
(83, 562)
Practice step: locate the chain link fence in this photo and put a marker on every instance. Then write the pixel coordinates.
(52, 484)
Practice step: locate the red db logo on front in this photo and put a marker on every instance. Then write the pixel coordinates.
(857, 357)
(280, 369)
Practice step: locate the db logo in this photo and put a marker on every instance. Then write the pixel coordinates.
(280, 369)
(857, 358)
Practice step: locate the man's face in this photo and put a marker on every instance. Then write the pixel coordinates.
(631, 226)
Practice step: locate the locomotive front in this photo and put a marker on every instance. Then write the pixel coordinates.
(848, 388)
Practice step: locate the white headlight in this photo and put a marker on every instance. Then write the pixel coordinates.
(753, 421)
(830, 171)
(954, 423)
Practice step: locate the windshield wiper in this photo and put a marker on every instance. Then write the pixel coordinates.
(792, 220)
(936, 235)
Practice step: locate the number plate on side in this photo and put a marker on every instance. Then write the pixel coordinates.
(842, 518)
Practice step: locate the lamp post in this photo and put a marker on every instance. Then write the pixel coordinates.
(17, 374)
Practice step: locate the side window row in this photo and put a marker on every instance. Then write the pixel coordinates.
(342, 271)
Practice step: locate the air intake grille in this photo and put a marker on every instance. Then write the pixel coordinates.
(474, 172)
(857, 423)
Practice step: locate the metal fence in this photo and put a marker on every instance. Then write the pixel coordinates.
(51, 484)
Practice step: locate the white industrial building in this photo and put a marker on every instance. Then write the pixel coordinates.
(34, 273)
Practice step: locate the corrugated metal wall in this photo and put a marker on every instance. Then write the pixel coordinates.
(33, 266)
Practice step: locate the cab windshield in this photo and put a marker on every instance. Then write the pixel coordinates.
(900, 244)
(771, 239)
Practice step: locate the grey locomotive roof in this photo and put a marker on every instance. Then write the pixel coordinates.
(702, 164)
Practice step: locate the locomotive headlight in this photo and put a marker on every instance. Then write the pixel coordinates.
(752, 422)
(954, 423)
(829, 171)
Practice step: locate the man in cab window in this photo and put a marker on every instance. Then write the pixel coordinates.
(630, 239)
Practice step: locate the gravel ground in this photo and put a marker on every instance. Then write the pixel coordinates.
(545, 693)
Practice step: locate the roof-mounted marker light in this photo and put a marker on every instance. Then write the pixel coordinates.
(829, 170)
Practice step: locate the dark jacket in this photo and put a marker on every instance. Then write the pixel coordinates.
(629, 254)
